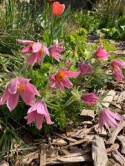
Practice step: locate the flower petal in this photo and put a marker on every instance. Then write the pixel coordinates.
(4, 97)
(31, 59)
(28, 97)
(46, 50)
(12, 86)
(39, 57)
(67, 83)
(27, 49)
(12, 101)
(39, 121)
(36, 47)
(71, 73)
(25, 41)
(31, 117)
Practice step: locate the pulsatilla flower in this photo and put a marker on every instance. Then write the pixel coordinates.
(116, 65)
(37, 113)
(108, 117)
(36, 49)
(60, 79)
(19, 87)
(57, 8)
(85, 68)
(101, 53)
(55, 50)
(90, 98)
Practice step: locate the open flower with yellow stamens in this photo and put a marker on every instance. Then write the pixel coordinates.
(19, 87)
(60, 79)
(36, 49)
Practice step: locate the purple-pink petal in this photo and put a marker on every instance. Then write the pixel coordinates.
(39, 121)
(67, 83)
(28, 97)
(25, 41)
(26, 49)
(39, 57)
(12, 101)
(46, 50)
(36, 47)
(31, 59)
(4, 97)
(12, 86)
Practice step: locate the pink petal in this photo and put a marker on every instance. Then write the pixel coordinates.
(32, 88)
(31, 117)
(67, 83)
(12, 101)
(47, 117)
(12, 86)
(39, 57)
(56, 55)
(36, 47)
(28, 97)
(26, 49)
(4, 97)
(39, 121)
(46, 50)
(71, 73)
(61, 86)
(23, 80)
(31, 59)
(25, 41)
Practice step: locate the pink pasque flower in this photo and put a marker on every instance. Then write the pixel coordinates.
(107, 116)
(85, 68)
(101, 53)
(19, 87)
(37, 113)
(55, 50)
(116, 65)
(90, 98)
(60, 79)
(36, 49)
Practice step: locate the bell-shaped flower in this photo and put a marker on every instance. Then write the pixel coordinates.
(90, 98)
(85, 68)
(19, 87)
(36, 49)
(57, 8)
(56, 50)
(108, 117)
(101, 53)
(60, 79)
(37, 113)
(116, 65)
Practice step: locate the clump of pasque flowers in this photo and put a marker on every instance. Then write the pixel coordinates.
(60, 81)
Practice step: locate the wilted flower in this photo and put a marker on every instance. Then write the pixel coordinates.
(57, 8)
(36, 49)
(37, 113)
(117, 64)
(109, 117)
(55, 50)
(19, 87)
(85, 68)
(101, 53)
(90, 98)
(60, 79)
